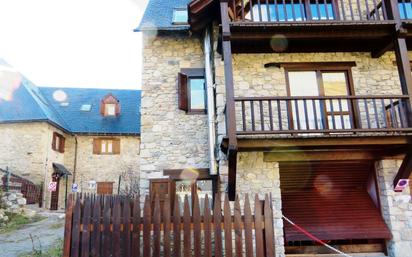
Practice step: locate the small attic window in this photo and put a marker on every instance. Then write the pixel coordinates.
(180, 16)
(86, 107)
(110, 106)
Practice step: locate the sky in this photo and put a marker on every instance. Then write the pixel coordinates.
(73, 43)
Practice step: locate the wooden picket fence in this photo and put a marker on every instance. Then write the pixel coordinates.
(114, 226)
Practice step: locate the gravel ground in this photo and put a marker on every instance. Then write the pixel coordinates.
(44, 234)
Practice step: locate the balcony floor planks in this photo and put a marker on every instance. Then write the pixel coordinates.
(382, 145)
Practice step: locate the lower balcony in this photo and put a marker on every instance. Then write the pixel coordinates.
(374, 124)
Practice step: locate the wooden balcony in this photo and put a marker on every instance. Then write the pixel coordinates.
(327, 122)
(300, 115)
(311, 25)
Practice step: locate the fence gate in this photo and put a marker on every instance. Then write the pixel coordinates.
(116, 226)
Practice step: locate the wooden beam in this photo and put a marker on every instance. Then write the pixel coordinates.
(404, 70)
(230, 100)
(405, 170)
(232, 164)
(290, 156)
(321, 142)
(381, 51)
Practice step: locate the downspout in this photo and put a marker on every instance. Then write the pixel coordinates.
(210, 100)
(75, 159)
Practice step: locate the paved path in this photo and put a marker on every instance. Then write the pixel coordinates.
(44, 234)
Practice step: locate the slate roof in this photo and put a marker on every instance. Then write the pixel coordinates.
(159, 14)
(22, 101)
(128, 122)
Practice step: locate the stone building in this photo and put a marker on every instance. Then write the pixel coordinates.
(305, 100)
(86, 137)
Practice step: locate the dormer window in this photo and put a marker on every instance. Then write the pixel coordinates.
(110, 106)
(180, 16)
(110, 109)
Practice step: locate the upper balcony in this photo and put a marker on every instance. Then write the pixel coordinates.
(315, 25)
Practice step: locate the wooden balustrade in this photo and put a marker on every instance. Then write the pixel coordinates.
(321, 114)
(310, 10)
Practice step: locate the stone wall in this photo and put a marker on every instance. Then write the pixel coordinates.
(100, 167)
(254, 176)
(24, 148)
(171, 139)
(26, 151)
(396, 209)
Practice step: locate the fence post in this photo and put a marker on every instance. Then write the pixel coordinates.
(7, 178)
(68, 227)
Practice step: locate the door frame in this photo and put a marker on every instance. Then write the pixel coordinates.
(54, 196)
(319, 68)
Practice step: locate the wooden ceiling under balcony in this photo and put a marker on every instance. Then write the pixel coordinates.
(311, 37)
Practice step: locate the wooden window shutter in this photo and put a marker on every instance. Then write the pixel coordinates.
(62, 143)
(182, 91)
(97, 148)
(102, 109)
(117, 110)
(54, 141)
(116, 146)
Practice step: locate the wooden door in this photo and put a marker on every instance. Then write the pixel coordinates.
(105, 188)
(162, 188)
(54, 201)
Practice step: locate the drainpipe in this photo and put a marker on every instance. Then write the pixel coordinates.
(75, 159)
(210, 99)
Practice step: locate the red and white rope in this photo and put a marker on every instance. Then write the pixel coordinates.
(307, 233)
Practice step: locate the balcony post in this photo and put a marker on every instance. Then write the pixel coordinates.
(405, 77)
(230, 99)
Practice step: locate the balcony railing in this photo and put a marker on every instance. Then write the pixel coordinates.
(312, 10)
(321, 114)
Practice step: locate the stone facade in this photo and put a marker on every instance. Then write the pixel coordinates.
(26, 151)
(101, 167)
(171, 139)
(396, 209)
(25, 148)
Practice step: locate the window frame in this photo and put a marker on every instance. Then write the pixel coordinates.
(175, 15)
(58, 138)
(98, 143)
(184, 89)
(109, 107)
(319, 68)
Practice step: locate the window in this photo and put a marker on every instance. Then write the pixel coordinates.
(106, 146)
(86, 108)
(191, 90)
(180, 16)
(322, 81)
(110, 106)
(58, 142)
(110, 109)
(405, 9)
(293, 11)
